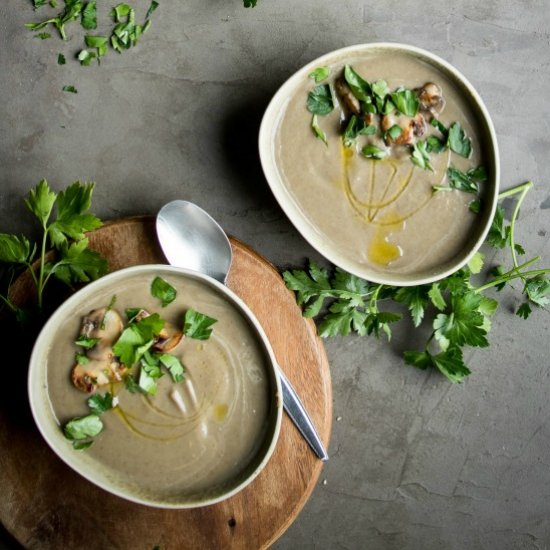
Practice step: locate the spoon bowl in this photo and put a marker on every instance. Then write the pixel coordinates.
(191, 238)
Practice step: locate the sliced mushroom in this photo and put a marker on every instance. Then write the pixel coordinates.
(169, 337)
(431, 98)
(97, 373)
(106, 325)
(411, 128)
(351, 103)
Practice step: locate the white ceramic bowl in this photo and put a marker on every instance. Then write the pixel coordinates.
(92, 469)
(299, 215)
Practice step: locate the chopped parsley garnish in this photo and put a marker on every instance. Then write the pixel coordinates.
(458, 141)
(80, 430)
(89, 16)
(357, 127)
(61, 59)
(360, 88)
(85, 342)
(319, 74)
(98, 404)
(373, 152)
(70, 89)
(198, 325)
(319, 133)
(162, 290)
(406, 101)
(319, 100)
(420, 156)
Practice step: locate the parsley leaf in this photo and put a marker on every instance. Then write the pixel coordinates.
(360, 88)
(40, 201)
(70, 89)
(458, 141)
(319, 100)
(406, 101)
(73, 218)
(61, 59)
(77, 263)
(416, 299)
(461, 181)
(89, 16)
(319, 74)
(137, 338)
(373, 152)
(83, 427)
(85, 342)
(197, 325)
(357, 127)
(162, 290)
(14, 249)
(99, 404)
(420, 156)
(174, 366)
(319, 133)
(154, 5)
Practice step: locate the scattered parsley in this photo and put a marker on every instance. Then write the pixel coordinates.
(197, 325)
(89, 16)
(162, 290)
(458, 141)
(70, 89)
(319, 133)
(319, 100)
(420, 156)
(320, 74)
(61, 59)
(460, 311)
(406, 101)
(373, 152)
(98, 404)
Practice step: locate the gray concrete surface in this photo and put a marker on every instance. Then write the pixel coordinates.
(417, 463)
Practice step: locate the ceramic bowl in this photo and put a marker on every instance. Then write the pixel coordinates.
(83, 461)
(297, 211)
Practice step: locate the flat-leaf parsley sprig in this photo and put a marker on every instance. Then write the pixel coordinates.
(64, 218)
(460, 310)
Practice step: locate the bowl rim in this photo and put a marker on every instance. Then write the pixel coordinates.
(66, 453)
(315, 237)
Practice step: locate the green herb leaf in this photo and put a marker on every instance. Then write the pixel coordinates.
(61, 59)
(197, 325)
(85, 342)
(81, 444)
(475, 264)
(357, 127)
(436, 123)
(120, 11)
(538, 290)
(162, 290)
(40, 201)
(73, 218)
(320, 74)
(406, 101)
(394, 132)
(89, 16)
(319, 100)
(83, 427)
(14, 249)
(70, 89)
(131, 385)
(435, 145)
(461, 181)
(174, 366)
(360, 88)
(149, 373)
(43, 35)
(524, 310)
(154, 5)
(373, 152)
(99, 404)
(81, 359)
(137, 338)
(132, 313)
(317, 130)
(78, 264)
(436, 297)
(420, 156)
(416, 299)
(458, 141)
(249, 3)
(86, 57)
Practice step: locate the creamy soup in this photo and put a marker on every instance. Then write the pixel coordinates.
(381, 213)
(199, 443)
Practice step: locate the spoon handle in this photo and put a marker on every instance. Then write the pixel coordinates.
(295, 409)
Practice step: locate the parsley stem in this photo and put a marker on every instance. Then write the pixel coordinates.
(41, 282)
(513, 274)
(8, 303)
(32, 273)
(515, 190)
(523, 189)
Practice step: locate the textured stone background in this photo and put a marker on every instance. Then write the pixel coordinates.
(417, 463)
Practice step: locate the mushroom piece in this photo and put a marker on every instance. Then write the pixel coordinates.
(169, 337)
(431, 98)
(97, 373)
(106, 325)
(411, 128)
(351, 103)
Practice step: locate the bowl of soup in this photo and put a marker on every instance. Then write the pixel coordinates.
(385, 159)
(159, 385)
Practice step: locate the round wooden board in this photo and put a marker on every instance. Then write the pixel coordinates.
(46, 505)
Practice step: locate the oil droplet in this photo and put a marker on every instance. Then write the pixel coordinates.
(220, 412)
(381, 251)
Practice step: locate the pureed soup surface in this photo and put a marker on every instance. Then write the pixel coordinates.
(381, 213)
(148, 443)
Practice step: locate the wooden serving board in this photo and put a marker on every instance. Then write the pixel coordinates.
(46, 505)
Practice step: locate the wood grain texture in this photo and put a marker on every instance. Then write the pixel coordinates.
(46, 505)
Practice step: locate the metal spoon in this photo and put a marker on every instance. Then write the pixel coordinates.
(191, 238)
